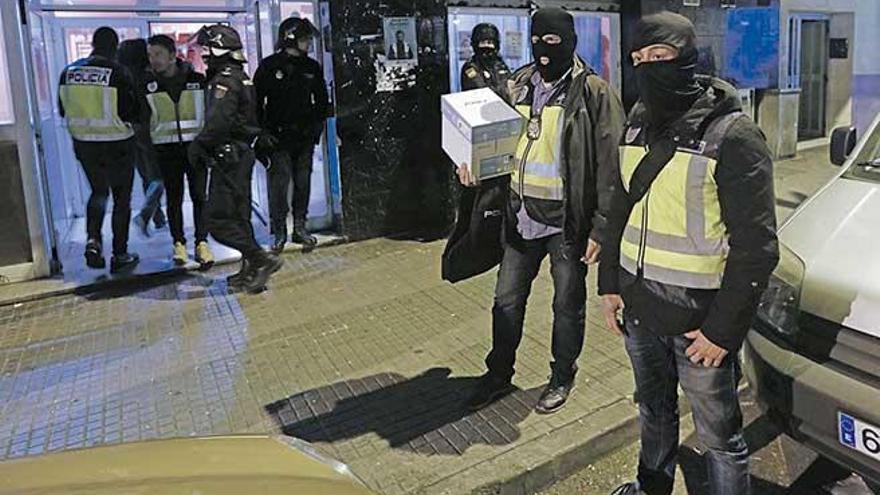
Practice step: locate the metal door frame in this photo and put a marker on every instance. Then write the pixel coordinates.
(796, 20)
(23, 131)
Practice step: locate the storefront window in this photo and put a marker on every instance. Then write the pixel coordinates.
(7, 113)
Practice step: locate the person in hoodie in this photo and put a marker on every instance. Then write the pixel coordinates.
(486, 69)
(97, 98)
(176, 95)
(691, 243)
(133, 55)
(555, 204)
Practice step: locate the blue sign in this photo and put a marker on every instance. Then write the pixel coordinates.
(752, 48)
(847, 430)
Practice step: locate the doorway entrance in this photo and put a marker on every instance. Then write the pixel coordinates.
(809, 38)
(60, 33)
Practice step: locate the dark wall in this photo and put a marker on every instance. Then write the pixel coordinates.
(395, 176)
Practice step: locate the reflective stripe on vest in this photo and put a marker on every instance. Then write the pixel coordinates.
(91, 113)
(675, 233)
(537, 174)
(163, 122)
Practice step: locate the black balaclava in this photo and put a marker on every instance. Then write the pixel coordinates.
(105, 42)
(483, 32)
(669, 88)
(553, 20)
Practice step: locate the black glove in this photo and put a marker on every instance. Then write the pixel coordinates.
(264, 147)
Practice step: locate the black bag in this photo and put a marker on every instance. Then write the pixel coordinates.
(475, 245)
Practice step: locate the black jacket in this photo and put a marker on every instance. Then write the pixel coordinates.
(594, 120)
(292, 98)
(129, 107)
(230, 112)
(744, 177)
(475, 75)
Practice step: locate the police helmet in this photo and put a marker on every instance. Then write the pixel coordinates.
(219, 40)
(483, 32)
(294, 29)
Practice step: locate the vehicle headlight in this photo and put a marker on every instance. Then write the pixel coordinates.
(309, 450)
(779, 308)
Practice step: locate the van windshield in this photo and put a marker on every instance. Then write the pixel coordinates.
(867, 163)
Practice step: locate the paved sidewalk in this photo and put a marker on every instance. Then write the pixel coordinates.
(360, 348)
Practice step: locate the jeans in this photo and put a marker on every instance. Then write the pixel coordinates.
(145, 163)
(109, 170)
(175, 167)
(519, 267)
(286, 165)
(660, 365)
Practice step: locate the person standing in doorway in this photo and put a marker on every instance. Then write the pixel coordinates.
(176, 94)
(97, 98)
(558, 200)
(133, 55)
(292, 106)
(486, 69)
(224, 146)
(691, 245)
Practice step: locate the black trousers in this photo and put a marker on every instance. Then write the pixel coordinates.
(228, 209)
(291, 163)
(519, 267)
(109, 168)
(175, 167)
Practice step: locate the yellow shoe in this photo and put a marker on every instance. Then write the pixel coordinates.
(179, 255)
(203, 255)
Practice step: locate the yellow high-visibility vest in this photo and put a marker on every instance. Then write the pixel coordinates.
(675, 234)
(91, 105)
(180, 122)
(537, 173)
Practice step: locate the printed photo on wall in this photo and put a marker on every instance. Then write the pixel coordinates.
(395, 69)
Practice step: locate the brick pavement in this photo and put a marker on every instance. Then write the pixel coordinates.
(359, 348)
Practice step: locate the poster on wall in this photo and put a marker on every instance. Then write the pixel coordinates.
(513, 44)
(396, 68)
(465, 50)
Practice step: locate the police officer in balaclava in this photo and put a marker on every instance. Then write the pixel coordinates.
(486, 68)
(695, 190)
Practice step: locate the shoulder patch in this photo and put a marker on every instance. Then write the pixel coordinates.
(471, 73)
(220, 91)
(193, 86)
(247, 82)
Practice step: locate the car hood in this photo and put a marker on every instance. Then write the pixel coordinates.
(836, 234)
(209, 466)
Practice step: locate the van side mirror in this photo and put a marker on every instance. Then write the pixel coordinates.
(843, 142)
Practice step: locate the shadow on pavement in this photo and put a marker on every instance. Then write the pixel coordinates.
(424, 414)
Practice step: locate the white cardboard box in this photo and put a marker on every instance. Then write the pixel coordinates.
(482, 131)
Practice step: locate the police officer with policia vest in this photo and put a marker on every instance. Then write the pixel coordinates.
(224, 146)
(176, 95)
(558, 198)
(292, 106)
(96, 96)
(485, 69)
(691, 245)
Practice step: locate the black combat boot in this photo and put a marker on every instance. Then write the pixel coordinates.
(302, 236)
(123, 262)
(263, 266)
(94, 257)
(240, 279)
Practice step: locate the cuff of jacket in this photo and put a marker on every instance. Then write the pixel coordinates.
(727, 331)
(609, 279)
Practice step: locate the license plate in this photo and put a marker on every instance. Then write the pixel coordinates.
(858, 435)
